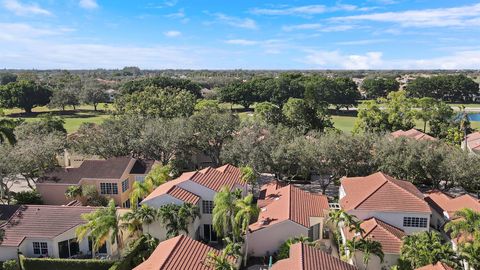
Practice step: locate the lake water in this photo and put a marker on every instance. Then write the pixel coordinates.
(474, 117)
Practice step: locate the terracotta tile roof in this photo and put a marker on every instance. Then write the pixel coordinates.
(179, 253)
(473, 141)
(442, 202)
(380, 192)
(412, 133)
(304, 257)
(389, 236)
(289, 203)
(183, 195)
(41, 221)
(212, 178)
(437, 266)
(112, 168)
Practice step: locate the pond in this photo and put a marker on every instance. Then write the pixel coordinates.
(474, 117)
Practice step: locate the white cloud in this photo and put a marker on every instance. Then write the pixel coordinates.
(88, 4)
(243, 42)
(318, 27)
(180, 14)
(236, 22)
(463, 16)
(16, 32)
(172, 33)
(335, 59)
(307, 10)
(22, 9)
(361, 42)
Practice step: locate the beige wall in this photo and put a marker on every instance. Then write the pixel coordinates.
(374, 263)
(52, 193)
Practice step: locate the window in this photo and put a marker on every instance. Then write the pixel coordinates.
(125, 185)
(40, 248)
(126, 204)
(415, 222)
(108, 188)
(207, 207)
(209, 233)
(139, 178)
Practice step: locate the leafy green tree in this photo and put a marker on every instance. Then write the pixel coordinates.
(219, 260)
(100, 225)
(287, 85)
(469, 252)
(284, 250)
(247, 211)
(66, 88)
(161, 82)
(249, 176)
(376, 87)
(439, 116)
(237, 93)
(73, 192)
(177, 218)
(7, 77)
(466, 224)
(46, 125)
(304, 117)
(207, 104)
(427, 248)
(341, 92)
(212, 130)
(268, 113)
(135, 219)
(393, 113)
(8, 173)
(93, 92)
(91, 196)
(7, 127)
(28, 197)
(24, 94)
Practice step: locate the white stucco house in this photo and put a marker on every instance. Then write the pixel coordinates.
(286, 212)
(47, 231)
(389, 210)
(198, 188)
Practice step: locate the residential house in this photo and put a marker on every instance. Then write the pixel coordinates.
(286, 212)
(444, 206)
(198, 188)
(395, 202)
(437, 266)
(472, 143)
(390, 237)
(179, 253)
(304, 257)
(413, 134)
(47, 231)
(113, 178)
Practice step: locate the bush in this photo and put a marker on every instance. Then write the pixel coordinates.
(63, 264)
(10, 265)
(138, 252)
(28, 197)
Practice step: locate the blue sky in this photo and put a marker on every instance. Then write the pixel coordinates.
(343, 34)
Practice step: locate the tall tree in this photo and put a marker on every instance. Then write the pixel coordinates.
(224, 212)
(466, 224)
(177, 218)
(370, 247)
(376, 87)
(93, 92)
(24, 94)
(247, 211)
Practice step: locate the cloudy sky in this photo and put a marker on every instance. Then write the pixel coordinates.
(290, 34)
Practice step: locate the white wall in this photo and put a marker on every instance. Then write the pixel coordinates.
(8, 253)
(158, 230)
(269, 239)
(27, 247)
(159, 201)
(341, 192)
(393, 218)
(374, 263)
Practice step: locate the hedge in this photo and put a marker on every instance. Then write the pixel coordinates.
(130, 260)
(64, 264)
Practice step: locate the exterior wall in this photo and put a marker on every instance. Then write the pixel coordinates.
(158, 230)
(70, 234)
(393, 218)
(374, 263)
(53, 194)
(341, 192)
(118, 198)
(8, 253)
(437, 219)
(268, 240)
(27, 247)
(157, 202)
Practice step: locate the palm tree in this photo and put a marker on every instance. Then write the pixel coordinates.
(284, 250)
(247, 211)
(101, 224)
(467, 224)
(427, 248)
(340, 217)
(6, 131)
(224, 212)
(369, 247)
(470, 253)
(177, 218)
(135, 219)
(73, 192)
(219, 260)
(159, 175)
(139, 191)
(249, 176)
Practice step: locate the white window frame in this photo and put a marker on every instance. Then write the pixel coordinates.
(207, 207)
(415, 222)
(41, 247)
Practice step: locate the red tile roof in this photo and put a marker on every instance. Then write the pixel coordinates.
(179, 253)
(380, 192)
(209, 177)
(442, 202)
(183, 195)
(473, 141)
(437, 266)
(412, 133)
(289, 203)
(389, 236)
(304, 257)
(41, 221)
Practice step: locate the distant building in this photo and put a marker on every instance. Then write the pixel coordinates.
(113, 178)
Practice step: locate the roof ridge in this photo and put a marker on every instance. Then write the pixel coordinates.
(404, 189)
(180, 237)
(373, 192)
(302, 261)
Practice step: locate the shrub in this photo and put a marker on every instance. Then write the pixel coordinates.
(137, 253)
(28, 197)
(10, 265)
(62, 264)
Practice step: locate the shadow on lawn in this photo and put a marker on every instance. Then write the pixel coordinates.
(66, 114)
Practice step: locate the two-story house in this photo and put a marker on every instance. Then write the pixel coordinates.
(47, 231)
(198, 188)
(388, 208)
(113, 178)
(286, 212)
